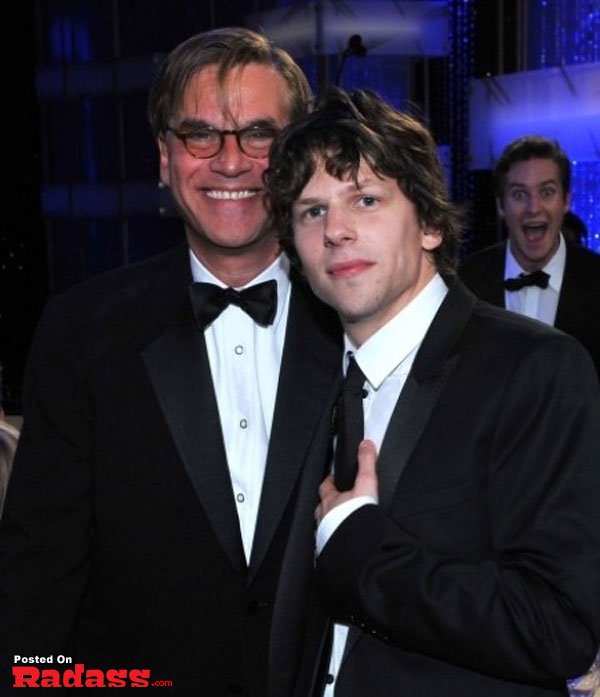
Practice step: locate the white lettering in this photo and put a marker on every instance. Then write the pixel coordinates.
(33, 659)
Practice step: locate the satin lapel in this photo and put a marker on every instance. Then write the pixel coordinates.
(310, 363)
(178, 367)
(408, 421)
(433, 365)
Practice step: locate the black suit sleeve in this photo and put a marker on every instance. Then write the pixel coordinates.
(527, 607)
(46, 528)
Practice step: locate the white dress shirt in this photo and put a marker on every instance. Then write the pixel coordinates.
(532, 301)
(239, 351)
(385, 359)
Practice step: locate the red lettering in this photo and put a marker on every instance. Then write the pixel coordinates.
(72, 678)
(116, 678)
(139, 678)
(50, 678)
(94, 678)
(25, 677)
(30, 676)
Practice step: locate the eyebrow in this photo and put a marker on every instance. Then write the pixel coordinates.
(521, 185)
(200, 123)
(310, 201)
(351, 185)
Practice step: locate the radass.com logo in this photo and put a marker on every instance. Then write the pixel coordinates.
(32, 671)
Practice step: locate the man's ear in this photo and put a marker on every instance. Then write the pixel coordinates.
(430, 239)
(163, 160)
(499, 207)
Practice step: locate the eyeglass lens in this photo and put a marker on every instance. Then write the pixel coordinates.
(254, 141)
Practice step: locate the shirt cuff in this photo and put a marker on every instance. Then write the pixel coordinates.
(337, 516)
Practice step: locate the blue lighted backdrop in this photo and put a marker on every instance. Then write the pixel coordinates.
(559, 33)
(565, 32)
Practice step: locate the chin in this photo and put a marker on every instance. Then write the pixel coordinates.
(350, 315)
(233, 240)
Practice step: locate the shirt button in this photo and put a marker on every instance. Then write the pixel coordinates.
(329, 679)
(244, 423)
(239, 350)
(241, 498)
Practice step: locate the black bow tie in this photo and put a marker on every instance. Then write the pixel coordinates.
(209, 300)
(537, 278)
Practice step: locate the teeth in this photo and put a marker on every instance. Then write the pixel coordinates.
(223, 195)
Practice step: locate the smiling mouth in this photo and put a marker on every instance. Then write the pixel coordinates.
(224, 195)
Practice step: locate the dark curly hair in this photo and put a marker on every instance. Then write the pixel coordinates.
(345, 128)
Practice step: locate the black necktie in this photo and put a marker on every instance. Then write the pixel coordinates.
(209, 300)
(350, 427)
(537, 278)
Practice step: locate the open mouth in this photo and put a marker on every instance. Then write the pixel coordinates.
(535, 231)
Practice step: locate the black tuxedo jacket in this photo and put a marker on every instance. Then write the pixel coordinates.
(120, 544)
(578, 311)
(479, 571)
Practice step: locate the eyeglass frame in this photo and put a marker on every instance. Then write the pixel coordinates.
(238, 133)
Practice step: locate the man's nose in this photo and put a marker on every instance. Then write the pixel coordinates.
(339, 227)
(231, 159)
(534, 202)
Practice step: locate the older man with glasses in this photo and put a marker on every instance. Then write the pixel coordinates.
(161, 514)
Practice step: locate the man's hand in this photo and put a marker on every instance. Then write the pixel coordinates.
(365, 484)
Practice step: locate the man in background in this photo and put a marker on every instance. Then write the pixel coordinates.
(160, 514)
(535, 272)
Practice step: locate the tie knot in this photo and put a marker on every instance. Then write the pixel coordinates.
(258, 301)
(537, 278)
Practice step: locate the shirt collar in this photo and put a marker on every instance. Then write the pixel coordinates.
(383, 352)
(555, 267)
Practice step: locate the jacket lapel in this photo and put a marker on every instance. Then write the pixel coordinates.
(310, 363)
(178, 367)
(433, 365)
(408, 421)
